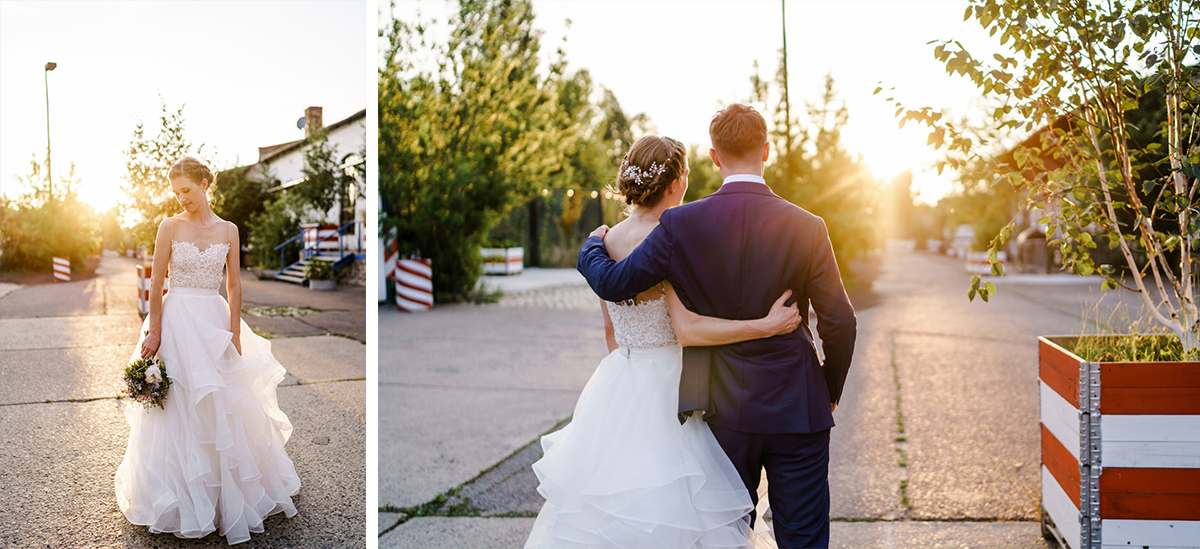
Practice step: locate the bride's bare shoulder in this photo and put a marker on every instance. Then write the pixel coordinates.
(625, 236)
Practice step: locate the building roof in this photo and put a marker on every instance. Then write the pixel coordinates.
(271, 152)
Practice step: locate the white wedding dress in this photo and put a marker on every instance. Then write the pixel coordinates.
(624, 472)
(213, 460)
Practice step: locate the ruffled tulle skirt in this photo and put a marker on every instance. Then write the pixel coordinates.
(213, 460)
(625, 473)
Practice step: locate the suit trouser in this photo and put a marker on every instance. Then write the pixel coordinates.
(797, 467)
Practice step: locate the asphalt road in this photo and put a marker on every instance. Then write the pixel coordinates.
(936, 441)
(64, 432)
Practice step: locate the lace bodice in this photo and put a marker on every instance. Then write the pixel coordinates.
(192, 268)
(643, 325)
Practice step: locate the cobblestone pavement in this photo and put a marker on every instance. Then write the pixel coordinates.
(64, 432)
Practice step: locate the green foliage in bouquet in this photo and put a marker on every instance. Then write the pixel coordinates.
(146, 382)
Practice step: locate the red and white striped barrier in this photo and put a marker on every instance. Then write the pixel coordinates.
(143, 288)
(414, 285)
(390, 255)
(1120, 450)
(62, 269)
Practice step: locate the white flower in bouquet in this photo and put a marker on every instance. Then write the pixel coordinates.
(154, 374)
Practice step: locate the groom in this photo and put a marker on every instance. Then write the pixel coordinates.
(769, 401)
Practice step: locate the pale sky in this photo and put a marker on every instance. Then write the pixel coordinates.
(679, 61)
(245, 72)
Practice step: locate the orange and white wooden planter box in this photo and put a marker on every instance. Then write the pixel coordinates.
(1120, 450)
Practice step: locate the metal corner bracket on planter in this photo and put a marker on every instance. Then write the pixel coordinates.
(1120, 450)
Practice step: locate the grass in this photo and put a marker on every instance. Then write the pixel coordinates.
(1141, 338)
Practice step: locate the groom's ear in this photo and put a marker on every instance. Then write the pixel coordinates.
(766, 151)
(712, 153)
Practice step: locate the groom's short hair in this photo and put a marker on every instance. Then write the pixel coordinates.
(738, 132)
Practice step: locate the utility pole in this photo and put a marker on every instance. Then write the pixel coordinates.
(787, 101)
(46, 78)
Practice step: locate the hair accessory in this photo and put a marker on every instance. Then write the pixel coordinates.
(639, 175)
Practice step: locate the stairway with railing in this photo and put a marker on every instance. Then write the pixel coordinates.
(325, 244)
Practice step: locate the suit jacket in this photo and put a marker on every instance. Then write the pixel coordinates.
(731, 255)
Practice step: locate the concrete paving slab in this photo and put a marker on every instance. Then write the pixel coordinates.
(933, 535)
(971, 414)
(38, 375)
(387, 521)
(74, 448)
(8, 288)
(282, 327)
(68, 331)
(864, 478)
(458, 532)
(437, 438)
(505, 489)
(321, 358)
(491, 532)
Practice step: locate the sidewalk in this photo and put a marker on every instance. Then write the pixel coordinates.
(937, 438)
(64, 432)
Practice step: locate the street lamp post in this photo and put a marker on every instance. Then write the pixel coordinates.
(46, 78)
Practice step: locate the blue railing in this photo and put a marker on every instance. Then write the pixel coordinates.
(308, 251)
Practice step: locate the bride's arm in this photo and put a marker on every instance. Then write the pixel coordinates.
(694, 330)
(233, 286)
(158, 272)
(610, 336)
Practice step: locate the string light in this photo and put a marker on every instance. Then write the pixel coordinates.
(595, 194)
(570, 193)
(545, 192)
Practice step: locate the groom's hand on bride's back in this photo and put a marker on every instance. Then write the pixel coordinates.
(600, 231)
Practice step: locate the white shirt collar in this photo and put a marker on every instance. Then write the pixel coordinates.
(744, 177)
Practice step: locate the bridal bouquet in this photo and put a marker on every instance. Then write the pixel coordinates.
(146, 382)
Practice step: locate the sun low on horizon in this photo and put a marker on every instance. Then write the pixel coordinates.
(236, 95)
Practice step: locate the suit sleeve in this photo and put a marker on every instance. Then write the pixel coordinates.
(836, 322)
(617, 281)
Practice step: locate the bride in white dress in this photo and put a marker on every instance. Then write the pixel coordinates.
(213, 459)
(624, 472)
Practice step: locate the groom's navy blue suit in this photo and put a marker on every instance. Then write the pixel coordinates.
(730, 255)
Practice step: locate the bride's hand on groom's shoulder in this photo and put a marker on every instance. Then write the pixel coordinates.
(600, 231)
(783, 319)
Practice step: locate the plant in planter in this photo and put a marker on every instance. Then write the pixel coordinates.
(320, 275)
(1107, 95)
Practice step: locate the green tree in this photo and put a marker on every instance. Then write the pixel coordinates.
(704, 178)
(112, 234)
(812, 169)
(278, 221)
(461, 145)
(237, 196)
(147, 192)
(325, 182)
(1076, 77)
(47, 222)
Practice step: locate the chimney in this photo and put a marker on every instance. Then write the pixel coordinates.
(313, 117)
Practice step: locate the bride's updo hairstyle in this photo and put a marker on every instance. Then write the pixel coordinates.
(649, 168)
(192, 169)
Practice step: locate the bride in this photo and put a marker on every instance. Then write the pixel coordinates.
(213, 459)
(624, 472)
